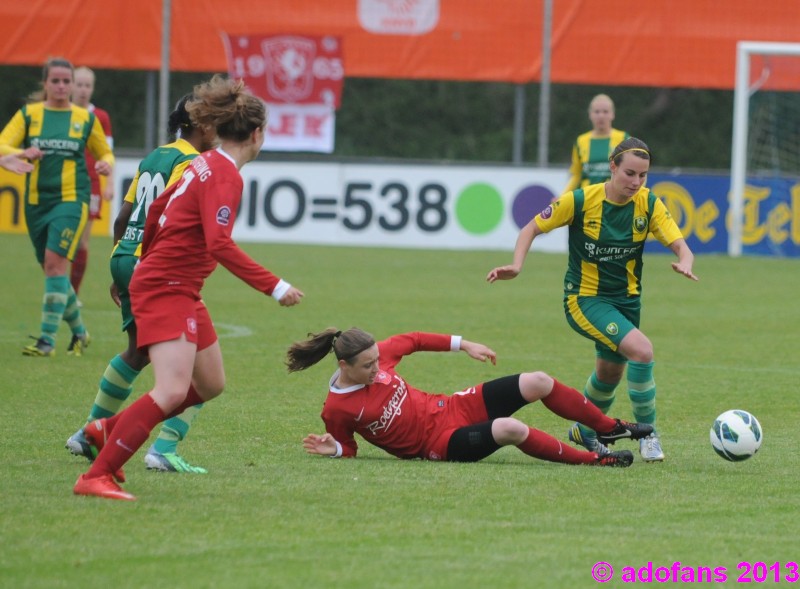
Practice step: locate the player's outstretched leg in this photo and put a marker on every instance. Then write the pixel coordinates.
(545, 447)
(601, 395)
(620, 459)
(625, 430)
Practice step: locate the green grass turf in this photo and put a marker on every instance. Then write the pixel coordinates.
(267, 515)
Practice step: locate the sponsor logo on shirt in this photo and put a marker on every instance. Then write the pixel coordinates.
(64, 147)
(392, 409)
(224, 216)
(609, 253)
(547, 213)
(598, 170)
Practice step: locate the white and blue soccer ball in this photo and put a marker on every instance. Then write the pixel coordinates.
(736, 435)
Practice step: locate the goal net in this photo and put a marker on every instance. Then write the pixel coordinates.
(765, 161)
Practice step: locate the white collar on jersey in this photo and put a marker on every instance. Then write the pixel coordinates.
(224, 153)
(337, 390)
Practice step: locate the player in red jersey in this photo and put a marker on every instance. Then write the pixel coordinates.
(187, 233)
(368, 397)
(82, 91)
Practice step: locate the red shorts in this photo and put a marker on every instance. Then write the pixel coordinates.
(164, 315)
(463, 408)
(95, 206)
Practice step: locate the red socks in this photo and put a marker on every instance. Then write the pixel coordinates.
(78, 269)
(545, 447)
(129, 429)
(132, 427)
(192, 399)
(568, 403)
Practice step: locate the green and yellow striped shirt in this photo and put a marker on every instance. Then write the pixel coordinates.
(62, 135)
(606, 240)
(159, 170)
(590, 159)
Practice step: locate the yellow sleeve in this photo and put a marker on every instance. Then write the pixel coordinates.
(13, 135)
(177, 172)
(557, 214)
(130, 196)
(662, 225)
(97, 144)
(575, 170)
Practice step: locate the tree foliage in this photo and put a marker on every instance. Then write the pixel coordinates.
(455, 121)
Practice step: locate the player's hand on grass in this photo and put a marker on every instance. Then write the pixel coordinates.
(323, 445)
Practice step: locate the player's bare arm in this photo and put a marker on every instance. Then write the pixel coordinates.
(685, 258)
(15, 163)
(524, 241)
(479, 351)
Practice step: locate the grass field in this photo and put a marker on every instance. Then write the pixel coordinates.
(267, 515)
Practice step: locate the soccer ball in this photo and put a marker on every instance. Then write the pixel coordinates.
(736, 435)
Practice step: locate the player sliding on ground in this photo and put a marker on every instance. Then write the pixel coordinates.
(366, 396)
(608, 226)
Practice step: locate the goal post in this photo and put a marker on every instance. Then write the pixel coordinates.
(744, 89)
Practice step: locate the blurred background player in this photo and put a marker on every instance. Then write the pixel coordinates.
(160, 169)
(608, 225)
(56, 134)
(368, 397)
(102, 189)
(187, 233)
(592, 149)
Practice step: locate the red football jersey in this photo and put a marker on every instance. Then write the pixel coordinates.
(390, 413)
(105, 122)
(188, 229)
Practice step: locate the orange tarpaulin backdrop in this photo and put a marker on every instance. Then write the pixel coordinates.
(672, 43)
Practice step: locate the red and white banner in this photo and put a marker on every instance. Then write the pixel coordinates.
(393, 17)
(300, 127)
(288, 69)
(464, 40)
(300, 78)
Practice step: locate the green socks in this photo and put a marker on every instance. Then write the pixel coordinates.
(116, 385)
(642, 391)
(72, 313)
(174, 430)
(56, 289)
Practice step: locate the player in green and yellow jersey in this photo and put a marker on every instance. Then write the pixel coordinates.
(161, 168)
(55, 134)
(592, 149)
(608, 224)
